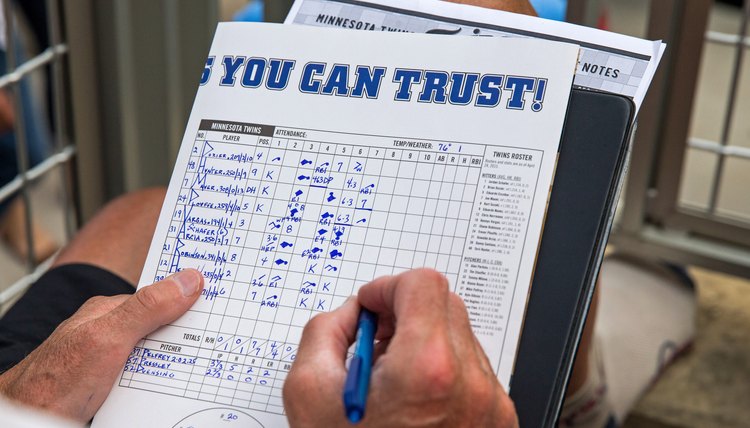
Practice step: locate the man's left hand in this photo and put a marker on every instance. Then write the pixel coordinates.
(72, 372)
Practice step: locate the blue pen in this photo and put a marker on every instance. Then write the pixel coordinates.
(358, 378)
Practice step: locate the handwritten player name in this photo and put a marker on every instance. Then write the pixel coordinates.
(209, 220)
(363, 81)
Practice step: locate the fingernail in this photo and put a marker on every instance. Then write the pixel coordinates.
(188, 280)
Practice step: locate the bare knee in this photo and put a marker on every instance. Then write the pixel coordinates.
(135, 212)
(118, 237)
(148, 199)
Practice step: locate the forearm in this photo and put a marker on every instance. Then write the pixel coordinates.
(517, 6)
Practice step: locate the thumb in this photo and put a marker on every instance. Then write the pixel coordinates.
(155, 305)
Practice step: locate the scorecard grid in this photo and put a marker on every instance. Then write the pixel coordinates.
(303, 224)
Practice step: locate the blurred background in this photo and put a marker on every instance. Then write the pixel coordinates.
(95, 94)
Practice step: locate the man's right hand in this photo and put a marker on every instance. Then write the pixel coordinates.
(430, 370)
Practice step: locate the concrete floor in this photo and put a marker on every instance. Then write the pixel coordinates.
(710, 385)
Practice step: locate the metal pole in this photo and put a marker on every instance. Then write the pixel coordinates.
(686, 48)
(61, 131)
(172, 65)
(22, 155)
(738, 57)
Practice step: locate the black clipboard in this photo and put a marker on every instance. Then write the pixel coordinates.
(591, 164)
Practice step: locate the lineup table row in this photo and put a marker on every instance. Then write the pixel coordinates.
(248, 151)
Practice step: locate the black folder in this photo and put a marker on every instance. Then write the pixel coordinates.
(591, 164)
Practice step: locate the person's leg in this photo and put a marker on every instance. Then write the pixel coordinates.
(581, 366)
(586, 403)
(118, 237)
(646, 318)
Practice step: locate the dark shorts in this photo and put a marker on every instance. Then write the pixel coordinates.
(52, 299)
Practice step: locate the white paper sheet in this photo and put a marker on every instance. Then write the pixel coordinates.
(288, 200)
(609, 62)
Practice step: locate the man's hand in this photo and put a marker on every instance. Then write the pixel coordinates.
(429, 371)
(71, 373)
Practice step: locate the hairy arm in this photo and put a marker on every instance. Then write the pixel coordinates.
(517, 6)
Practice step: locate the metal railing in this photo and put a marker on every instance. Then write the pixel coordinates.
(655, 220)
(64, 151)
(127, 131)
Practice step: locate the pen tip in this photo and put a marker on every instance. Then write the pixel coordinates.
(355, 415)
